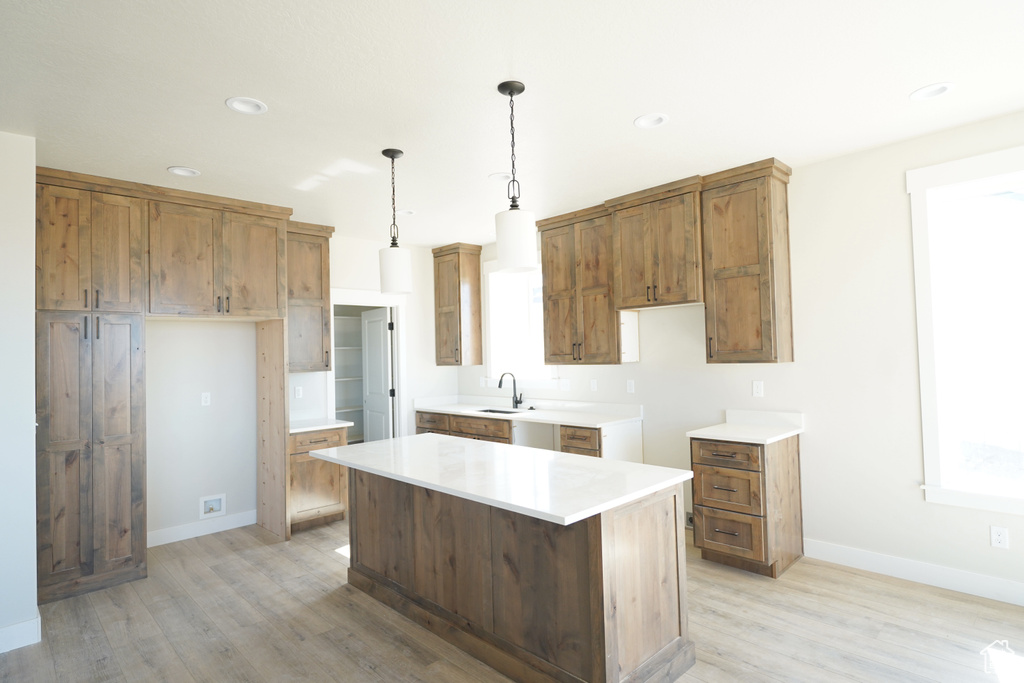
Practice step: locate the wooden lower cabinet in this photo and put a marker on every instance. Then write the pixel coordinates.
(536, 600)
(746, 504)
(318, 490)
(579, 440)
(482, 428)
(90, 452)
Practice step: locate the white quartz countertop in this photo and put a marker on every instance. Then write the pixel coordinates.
(298, 426)
(558, 487)
(751, 426)
(573, 418)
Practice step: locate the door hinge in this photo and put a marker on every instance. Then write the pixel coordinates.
(391, 393)
(391, 326)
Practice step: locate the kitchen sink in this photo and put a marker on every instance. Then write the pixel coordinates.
(496, 410)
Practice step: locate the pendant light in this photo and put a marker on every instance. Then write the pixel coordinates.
(516, 229)
(395, 262)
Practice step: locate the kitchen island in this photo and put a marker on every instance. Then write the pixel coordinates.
(546, 566)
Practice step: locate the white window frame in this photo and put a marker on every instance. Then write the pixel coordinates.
(919, 181)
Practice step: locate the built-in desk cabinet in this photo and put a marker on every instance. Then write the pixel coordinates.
(745, 224)
(458, 325)
(581, 325)
(747, 509)
(90, 452)
(309, 297)
(89, 248)
(657, 245)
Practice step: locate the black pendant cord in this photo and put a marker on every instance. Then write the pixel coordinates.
(394, 220)
(513, 185)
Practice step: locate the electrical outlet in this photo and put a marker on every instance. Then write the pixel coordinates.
(689, 519)
(298, 392)
(630, 386)
(757, 388)
(205, 398)
(593, 385)
(1000, 537)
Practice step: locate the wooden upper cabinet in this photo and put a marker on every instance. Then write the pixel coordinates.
(457, 316)
(209, 263)
(657, 246)
(746, 264)
(254, 266)
(581, 324)
(309, 297)
(89, 249)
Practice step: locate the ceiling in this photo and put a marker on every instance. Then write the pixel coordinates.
(126, 88)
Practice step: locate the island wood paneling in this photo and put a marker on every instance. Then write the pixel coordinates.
(599, 600)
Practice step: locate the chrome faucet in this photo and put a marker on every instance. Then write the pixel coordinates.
(517, 400)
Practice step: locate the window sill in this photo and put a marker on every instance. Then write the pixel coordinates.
(978, 501)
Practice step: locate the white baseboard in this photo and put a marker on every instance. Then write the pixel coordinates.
(208, 526)
(971, 583)
(19, 635)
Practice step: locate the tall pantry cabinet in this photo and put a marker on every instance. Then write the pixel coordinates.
(90, 391)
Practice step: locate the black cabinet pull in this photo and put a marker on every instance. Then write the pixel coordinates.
(327, 358)
(97, 327)
(655, 292)
(97, 300)
(218, 304)
(723, 488)
(456, 354)
(730, 533)
(648, 293)
(86, 298)
(723, 455)
(710, 355)
(87, 324)
(227, 304)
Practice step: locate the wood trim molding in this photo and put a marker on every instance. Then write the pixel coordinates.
(573, 217)
(82, 181)
(653, 194)
(759, 169)
(457, 247)
(310, 229)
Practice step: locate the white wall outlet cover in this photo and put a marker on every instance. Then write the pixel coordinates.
(483, 381)
(564, 385)
(593, 385)
(298, 392)
(757, 388)
(212, 506)
(1000, 537)
(205, 398)
(630, 386)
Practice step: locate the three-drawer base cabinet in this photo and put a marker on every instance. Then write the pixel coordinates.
(747, 511)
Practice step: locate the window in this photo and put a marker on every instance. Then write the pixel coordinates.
(515, 324)
(968, 225)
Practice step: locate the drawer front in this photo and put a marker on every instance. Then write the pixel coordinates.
(579, 437)
(728, 489)
(462, 425)
(304, 442)
(581, 451)
(493, 439)
(744, 456)
(432, 421)
(731, 533)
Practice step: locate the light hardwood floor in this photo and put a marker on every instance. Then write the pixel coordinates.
(232, 606)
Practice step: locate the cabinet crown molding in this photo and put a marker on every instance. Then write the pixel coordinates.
(310, 229)
(574, 217)
(456, 248)
(82, 181)
(653, 194)
(758, 169)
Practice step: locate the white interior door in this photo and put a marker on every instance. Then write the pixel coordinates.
(377, 400)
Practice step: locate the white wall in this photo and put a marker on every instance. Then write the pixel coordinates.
(19, 617)
(855, 375)
(193, 450)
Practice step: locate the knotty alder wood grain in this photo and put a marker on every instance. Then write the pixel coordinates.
(599, 600)
(90, 457)
(457, 307)
(272, 490)
(318, 490)
(309, 297)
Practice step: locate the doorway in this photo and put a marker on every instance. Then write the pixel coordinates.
(363, 371)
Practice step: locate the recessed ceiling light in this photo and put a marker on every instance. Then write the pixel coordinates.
(931, 91)
(406, 212)
(503, 176)
(246, 105)
(650, 120)
(183, 171)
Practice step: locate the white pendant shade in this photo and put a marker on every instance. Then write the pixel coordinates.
(517, 240)
(395, 270)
